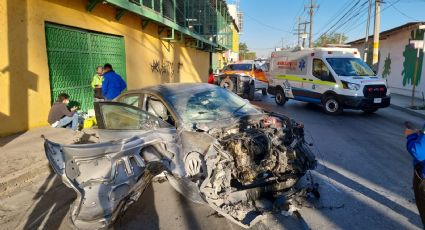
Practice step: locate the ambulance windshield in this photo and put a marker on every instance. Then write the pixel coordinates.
(350, 67)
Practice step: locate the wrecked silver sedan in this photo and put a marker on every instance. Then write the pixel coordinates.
(212, 146)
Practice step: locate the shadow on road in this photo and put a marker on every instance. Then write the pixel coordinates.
(54, 200)
(142, 213)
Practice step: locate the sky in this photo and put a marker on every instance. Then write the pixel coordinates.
(271, 23)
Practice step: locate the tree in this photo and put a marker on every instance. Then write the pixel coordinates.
(334, 38)
(244, 53)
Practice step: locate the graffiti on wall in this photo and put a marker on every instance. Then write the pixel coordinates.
(387, 66)
(167, 70)
(409, 63)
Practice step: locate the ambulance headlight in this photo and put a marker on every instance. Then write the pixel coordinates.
(349, 85)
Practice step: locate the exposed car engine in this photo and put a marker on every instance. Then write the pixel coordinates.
(256, 158)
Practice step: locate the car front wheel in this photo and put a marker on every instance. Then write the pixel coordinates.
(332, 106)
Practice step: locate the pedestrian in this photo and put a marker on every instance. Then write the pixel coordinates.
(211, 76)
(60, 116)
(416, 147)
(96, 83)
(112, 84)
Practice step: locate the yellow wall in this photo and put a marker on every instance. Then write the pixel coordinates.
(24, 74)
(235, 40)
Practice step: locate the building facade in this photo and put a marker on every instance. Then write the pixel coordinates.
(53, 46)
(397, 58)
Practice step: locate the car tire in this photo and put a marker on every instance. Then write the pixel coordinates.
(228, 84)
(264, 91)
(251, 93)
(280, 98)
(332, 106)
(369, 111)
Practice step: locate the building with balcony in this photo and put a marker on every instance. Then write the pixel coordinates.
(53, 46)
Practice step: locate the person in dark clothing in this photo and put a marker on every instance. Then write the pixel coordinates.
(416, 147)
(60, 116)
(113, 84)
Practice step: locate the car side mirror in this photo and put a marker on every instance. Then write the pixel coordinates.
(374, 71)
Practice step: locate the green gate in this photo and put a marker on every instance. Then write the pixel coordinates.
(73, 55)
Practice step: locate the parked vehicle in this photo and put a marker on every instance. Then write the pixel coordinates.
(241, 85)
(334, 77)
(213, 147)
(249, 68)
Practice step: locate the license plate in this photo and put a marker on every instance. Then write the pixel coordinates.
(377, 100)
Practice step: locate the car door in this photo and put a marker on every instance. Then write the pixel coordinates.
(321, 79)
(110, 175)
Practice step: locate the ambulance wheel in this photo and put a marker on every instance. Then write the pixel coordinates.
(332, 106)
(280, 97)
(369, 111)
(264, 91)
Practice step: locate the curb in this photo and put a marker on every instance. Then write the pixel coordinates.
(408, 111)
(15, 182)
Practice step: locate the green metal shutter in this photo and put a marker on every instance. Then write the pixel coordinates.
(73, 55)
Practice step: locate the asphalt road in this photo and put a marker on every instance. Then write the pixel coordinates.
(364, 173)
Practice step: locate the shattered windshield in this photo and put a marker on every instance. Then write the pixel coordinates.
(350, 67)
(210, 105)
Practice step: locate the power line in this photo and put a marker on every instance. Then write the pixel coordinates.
(334, 17)
(266, 25)
(407, 16)
(355, 26)
(341, 18)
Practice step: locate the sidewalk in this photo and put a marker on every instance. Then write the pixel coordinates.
(22, 156)
(403, 103)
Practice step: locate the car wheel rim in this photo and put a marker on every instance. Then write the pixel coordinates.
(279, 98)
(332, 105)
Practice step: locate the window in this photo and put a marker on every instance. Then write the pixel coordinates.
(321, 71)
(131, 100)
(240, 67)
(350, 67)
(115, 115)
(157, 108)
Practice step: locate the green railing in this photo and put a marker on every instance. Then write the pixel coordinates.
(206, 21)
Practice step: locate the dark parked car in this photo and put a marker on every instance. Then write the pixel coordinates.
(213, 147)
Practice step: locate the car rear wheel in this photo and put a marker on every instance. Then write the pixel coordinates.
(227, 84)
(264, 91)
(280, 98)
(369, 111)
(332, 106)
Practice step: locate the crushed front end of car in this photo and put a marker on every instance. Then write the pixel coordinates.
(227, 167)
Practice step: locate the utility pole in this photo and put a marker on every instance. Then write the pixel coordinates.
(366, 39)
(376, 34)
(311, 12)
(301, 33)
(298, 30)
(304, 32)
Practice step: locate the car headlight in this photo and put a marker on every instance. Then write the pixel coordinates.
(352, 86)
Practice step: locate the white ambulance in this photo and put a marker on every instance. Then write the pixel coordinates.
(334, 77)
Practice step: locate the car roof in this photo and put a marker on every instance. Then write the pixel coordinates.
(168, 89)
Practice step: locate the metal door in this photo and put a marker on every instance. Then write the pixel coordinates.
(73, 55)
